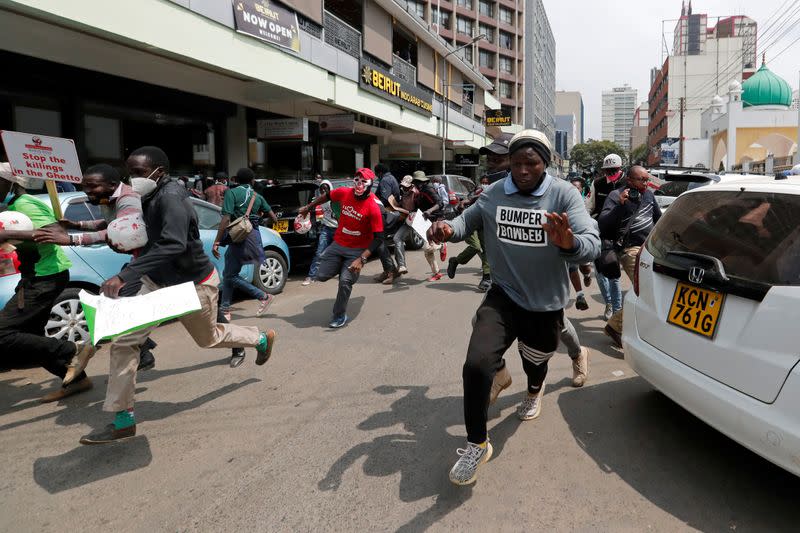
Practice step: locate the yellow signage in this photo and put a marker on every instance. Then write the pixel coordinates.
(497, 117)
(384, 83)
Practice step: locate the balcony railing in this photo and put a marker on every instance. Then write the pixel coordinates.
(404, 70)
(341, 35)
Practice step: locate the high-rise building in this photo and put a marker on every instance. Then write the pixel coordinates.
(639, 128)
(499, 56)
(561, 143)
(571, 103)
(569, 125)
(618, 106)
(540, 70)
(703, 63)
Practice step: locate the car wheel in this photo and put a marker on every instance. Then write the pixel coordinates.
(271, 275)
(67, 321)
(416, 242)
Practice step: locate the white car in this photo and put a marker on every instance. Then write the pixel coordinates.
(713, 320)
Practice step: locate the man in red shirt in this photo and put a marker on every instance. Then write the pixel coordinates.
(358, 236)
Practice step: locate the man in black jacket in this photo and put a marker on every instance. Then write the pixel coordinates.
(173, 255)
(627, 218)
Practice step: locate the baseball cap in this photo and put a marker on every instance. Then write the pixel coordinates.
(406, 181)
(498, 146)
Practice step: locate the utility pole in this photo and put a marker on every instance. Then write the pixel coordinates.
(680, 139)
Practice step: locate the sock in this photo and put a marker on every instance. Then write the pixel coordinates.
(483, 444)
(124, 419)
(579, 293)
(262, 342)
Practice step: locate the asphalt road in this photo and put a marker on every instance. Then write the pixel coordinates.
(355, 430)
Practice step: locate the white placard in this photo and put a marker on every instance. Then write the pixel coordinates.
(115, 316)
(420, 225)
(42, 157)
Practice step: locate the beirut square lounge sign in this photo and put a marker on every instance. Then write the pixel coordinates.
(381, 82)
(267, 21)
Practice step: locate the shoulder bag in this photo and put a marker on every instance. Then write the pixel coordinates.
(239, 229)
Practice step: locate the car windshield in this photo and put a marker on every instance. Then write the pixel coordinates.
(678, 187)
(756, 235)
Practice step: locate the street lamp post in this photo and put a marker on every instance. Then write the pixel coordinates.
(446, 108)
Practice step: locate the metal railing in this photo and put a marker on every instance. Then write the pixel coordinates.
(341, 35)
(404, 70)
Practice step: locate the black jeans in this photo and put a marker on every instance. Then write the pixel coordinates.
(22, 329)
(335, 260)
(498, 323)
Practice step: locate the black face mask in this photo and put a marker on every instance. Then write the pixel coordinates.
(496, 176)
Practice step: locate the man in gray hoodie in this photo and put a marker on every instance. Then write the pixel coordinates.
(533, 225)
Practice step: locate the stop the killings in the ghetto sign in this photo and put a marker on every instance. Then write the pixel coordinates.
(42, 157)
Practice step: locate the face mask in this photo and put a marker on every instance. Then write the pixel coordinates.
(361, 187)
(143, 186)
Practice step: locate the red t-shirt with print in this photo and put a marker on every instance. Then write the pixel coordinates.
(359, 218)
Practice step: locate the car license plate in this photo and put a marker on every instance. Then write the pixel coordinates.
(281, 226)
(696, 309)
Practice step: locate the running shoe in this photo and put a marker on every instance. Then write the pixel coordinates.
(486, 283)
(465, 471)
(339, 322)
(307, 281)
(452, 265)
(531, 406)
(402, 270)
(443, 252)
(608, 313)
(435, 277)
(264, 304)
(580, 368)
(581, 303)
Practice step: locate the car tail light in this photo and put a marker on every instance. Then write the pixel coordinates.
(453, 198)
(636, 271)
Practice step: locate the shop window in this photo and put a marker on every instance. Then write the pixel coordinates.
(506, 64)
(37, 120)
(506, 15)
(103, 140)
(350, 11)
(486, 59)
(488, 31)
(486, 8)
(464, 25)
(506, 40)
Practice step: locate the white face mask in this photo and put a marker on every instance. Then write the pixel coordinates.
(143, 186)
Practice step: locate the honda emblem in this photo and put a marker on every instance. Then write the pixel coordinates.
(696, 275)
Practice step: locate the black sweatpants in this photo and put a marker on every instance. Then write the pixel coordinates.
(498, 323)
(22, 329)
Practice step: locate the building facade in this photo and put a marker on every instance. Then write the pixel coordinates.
(639, 129)
(618, 106)
(569, 125)
(540, 70)
(704, 62)
(289, 90)
(571, 103)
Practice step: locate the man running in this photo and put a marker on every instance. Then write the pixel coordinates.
(358, 236)
(45, 274)
(173, 255)
(533, 225)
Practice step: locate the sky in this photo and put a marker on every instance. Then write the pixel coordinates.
(604, 44)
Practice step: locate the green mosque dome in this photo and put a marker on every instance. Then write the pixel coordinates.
(766, 88)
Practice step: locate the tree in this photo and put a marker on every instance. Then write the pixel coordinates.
(590, 154)
(639, 155)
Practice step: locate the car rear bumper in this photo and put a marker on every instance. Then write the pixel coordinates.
(770, 430)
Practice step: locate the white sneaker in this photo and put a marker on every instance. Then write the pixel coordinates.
(465, 471)
(608, 312)
(531, 406)
(402, 270)
(307, 281)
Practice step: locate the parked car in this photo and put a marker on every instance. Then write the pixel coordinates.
(286, 200)
(672, 185)
(91, 265)
(713, 315)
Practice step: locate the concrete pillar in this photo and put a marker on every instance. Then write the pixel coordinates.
(236, 140)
